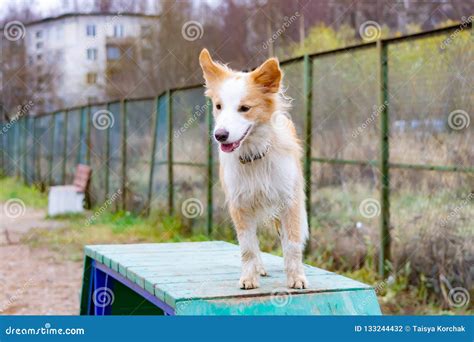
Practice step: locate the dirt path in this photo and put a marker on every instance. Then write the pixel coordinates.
(35, 281)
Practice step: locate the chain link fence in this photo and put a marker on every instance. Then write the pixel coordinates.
(385, 126)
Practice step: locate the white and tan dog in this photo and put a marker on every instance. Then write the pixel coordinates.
(260, 163)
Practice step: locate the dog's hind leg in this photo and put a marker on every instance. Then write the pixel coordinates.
(250, 252)
(293, 236)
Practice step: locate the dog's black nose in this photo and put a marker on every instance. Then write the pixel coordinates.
(221, 134)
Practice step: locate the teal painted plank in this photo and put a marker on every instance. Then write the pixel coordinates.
(330, 303)
(198, 267)
(172, 246)
(149, 282)
(171, 293)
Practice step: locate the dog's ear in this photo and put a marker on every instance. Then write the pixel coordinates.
(212, 71)
(268, 75)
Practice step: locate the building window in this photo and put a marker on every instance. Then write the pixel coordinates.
(39, 57)
(92, 54)
(39, 45)
(39, 34)
(91, 78)
(118, 30)
(90, 30)
(113, 53)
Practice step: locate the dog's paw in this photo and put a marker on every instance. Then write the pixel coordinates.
(298, 281)
(261, 271)
(247, 283)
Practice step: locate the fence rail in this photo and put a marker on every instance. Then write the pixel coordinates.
(139, 152)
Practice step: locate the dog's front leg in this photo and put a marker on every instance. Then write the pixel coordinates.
(293, 237)
(249, 249)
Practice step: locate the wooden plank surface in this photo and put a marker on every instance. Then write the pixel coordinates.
(208, 273)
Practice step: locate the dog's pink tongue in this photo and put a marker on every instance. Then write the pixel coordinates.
(229, 147)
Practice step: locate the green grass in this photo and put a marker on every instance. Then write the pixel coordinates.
(14, 188)
(109, 228)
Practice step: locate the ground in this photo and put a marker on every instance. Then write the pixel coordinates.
(56, 281)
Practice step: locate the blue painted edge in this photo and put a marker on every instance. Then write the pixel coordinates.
(169, 311)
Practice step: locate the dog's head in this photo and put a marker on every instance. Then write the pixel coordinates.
(242, 101)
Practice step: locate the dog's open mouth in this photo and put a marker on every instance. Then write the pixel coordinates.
(228, 148)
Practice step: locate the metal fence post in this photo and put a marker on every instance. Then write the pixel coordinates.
(123, 109)
(153, 152)
(81, 133)
(107, 155)
(88, 135)
(210, 166)
(385, 240)
(308, 104)
(35, 152)
(66, 119)
(169, 113)
(24, 143)
(51, 154)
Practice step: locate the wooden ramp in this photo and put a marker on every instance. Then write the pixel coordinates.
(201, 278)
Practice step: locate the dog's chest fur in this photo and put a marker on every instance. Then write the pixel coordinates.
(264, 186)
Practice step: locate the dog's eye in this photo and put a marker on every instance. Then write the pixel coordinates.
(244, 109)
(218, 106)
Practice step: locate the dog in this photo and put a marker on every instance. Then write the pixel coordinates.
(260, 163)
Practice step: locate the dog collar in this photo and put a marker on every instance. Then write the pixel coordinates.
(252, 157)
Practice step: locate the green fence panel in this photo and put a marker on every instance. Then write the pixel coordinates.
(44, 134)
(57, 167)
(431, 100)
(29, 168)
(160, 180)
(139, 144)
(83, 136)
(115, 155)
(100, 121)
(345, 106)
(190, 155)
(73, 143)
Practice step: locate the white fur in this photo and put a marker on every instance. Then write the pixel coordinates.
(231, 94)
